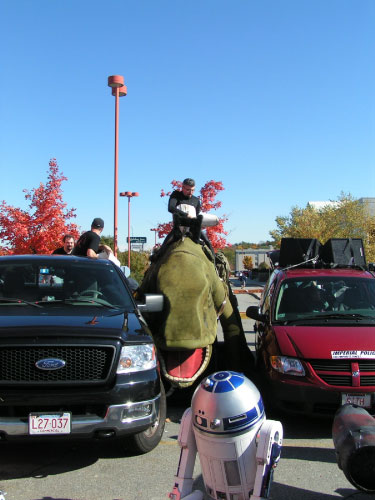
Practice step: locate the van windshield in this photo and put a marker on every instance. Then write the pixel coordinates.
(300, 298)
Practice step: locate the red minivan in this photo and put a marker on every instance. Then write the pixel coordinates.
(315, 339)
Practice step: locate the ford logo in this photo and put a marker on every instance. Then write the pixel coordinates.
(50, 364)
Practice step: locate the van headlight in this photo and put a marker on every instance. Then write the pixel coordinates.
(287, 366)
(135, 358)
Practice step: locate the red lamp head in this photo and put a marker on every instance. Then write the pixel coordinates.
(115, 81)
(129, 194)
(121, 91)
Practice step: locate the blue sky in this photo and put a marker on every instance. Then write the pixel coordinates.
(275, 98)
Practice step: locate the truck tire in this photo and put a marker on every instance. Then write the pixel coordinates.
(147, 440)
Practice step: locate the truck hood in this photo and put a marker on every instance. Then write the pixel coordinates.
(314, 342)
(122, 325)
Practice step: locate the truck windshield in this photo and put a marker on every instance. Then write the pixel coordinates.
(62, 281)
(325, 296)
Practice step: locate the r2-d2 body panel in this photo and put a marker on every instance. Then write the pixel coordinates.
(227, 412)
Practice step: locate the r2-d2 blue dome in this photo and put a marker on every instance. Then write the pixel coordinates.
(225, 403)
(227, 413)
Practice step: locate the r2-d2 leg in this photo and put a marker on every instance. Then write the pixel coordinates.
(268, 454)
(183, 484)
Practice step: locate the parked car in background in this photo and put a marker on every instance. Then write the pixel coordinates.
(76, 356)
(315, 338)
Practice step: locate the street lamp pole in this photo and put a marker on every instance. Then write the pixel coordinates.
(129, 195)
(118, 90)
(155, 230)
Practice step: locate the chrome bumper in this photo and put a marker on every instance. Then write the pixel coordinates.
(118, 418)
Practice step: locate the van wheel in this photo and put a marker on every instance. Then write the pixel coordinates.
(147, 440)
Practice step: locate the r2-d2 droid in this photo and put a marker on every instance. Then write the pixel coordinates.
(237, 447)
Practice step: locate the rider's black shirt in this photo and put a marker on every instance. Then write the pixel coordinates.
(177, 198)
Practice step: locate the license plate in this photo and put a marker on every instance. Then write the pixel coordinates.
(363, 400)
(50, 423)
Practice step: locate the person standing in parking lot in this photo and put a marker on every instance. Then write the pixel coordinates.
(68, 246)
(243, 279)
(88, 244)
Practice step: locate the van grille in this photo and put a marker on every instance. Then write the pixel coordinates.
(338, 372)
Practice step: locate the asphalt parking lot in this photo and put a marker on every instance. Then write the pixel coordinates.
(101, 471)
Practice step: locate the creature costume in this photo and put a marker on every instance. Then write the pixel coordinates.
(194, 298)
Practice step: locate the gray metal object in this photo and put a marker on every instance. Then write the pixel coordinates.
(153, 303)
(227, 402)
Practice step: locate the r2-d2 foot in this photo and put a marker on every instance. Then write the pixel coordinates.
(238, 448)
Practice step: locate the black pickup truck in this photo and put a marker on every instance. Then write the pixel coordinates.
(76, 356)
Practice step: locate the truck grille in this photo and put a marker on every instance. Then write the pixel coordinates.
(339, 372)
(82, 364)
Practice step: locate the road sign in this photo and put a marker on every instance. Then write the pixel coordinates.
(137, 239)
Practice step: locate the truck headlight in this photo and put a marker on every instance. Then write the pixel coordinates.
(287, 366)
(135, 358)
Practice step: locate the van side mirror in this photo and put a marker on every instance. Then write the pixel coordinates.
(253, 313)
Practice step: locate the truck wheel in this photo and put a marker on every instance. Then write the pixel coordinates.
(147, 440)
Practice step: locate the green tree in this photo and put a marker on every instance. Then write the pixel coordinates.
(370, 247)
(230, 254)
(263, 266)
(248, 262)
(347, 218)
(107, 240)
(139, 262)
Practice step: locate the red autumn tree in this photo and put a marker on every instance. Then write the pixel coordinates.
(207, 196)
(39, 229)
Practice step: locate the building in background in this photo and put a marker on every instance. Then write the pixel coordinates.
(369, 204)
(258, 255)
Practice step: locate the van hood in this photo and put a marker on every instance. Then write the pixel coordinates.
(315, 342)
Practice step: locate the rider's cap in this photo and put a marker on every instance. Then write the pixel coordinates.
(98, 223)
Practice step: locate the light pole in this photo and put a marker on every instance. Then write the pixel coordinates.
(118, 90)
(155, 230)
(129, 195)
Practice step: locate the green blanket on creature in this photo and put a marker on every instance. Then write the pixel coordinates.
(194, 296)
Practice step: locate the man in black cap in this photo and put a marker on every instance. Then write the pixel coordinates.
(185, 208)
(183, 216)
(184, 197)
(88, 244)
(179, 204)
